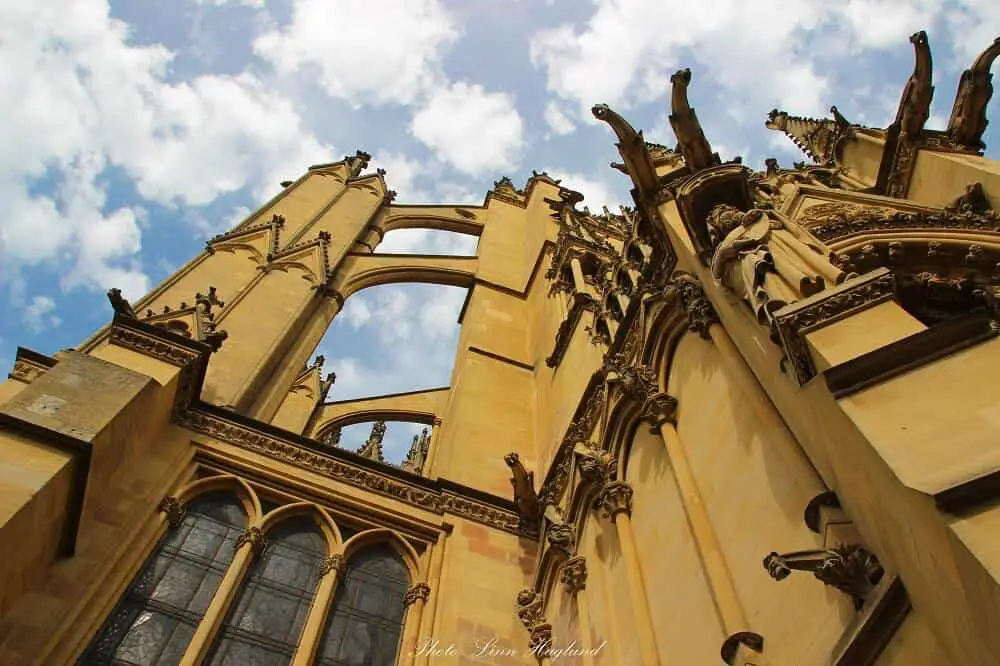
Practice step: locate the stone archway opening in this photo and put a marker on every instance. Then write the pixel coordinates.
(400, 443)
(428, 241)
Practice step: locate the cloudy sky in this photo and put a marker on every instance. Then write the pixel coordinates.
(135, 129)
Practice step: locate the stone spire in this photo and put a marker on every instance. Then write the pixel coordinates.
(331, 438)
(816, 138)
(373, 447)
(417, 455)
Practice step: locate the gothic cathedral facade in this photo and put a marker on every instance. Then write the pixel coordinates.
(752, 419)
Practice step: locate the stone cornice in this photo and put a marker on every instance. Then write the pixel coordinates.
(29, 365)
(798, 319)
(437, 496)
(163, 345)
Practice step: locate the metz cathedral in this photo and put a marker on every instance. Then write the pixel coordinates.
(753, 419)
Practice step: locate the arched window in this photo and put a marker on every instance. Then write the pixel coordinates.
(366, 621)
(156, 618)
(266, 619)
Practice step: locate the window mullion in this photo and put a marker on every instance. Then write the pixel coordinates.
(204, 635)
(312, 632)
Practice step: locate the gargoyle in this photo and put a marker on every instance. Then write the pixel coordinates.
(525, 496)
(915, 105)
(633, 149)
(850, 568)
(690, 138)
(975, 88)
(120, 305)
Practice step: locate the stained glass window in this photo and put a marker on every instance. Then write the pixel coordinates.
(156, 618)
(266, 619)
(365, 624)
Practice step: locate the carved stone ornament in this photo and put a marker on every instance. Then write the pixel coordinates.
(615, 498)
(525, 497)
(560, 534)
(327, 463)
(253, 537)
(913, 112)
(540, 640)
(658, 409)
(330, 563)
(701, 314)
(529, 609)
(420, 591)
(850, 568)
(596, 466)
(119, 304)
(975, 88)
(504, 190)
(174, 510)
(833, 222)
(574, 574)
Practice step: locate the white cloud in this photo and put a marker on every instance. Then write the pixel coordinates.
(557, 120)
(414, 329)
(364, 53)
(628, 49)
(401, 172)
(37, 314)
(596, 191)
(83, 98)
(471, 129)
(428, 241)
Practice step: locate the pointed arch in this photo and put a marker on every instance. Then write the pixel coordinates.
(395, 540)
(319, 515)
(223, 482)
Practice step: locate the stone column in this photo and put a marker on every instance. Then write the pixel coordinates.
(574, 577)
(578, 280)
(414, 601)
(312, 632)
(249, 545)
(425, 630)
(615, 501)
(720, 582)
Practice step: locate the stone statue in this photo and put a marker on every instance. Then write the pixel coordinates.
(767, 262)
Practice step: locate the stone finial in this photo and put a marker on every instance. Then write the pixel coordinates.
(372, 448)
(616, 498)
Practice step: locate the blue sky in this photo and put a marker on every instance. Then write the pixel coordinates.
(134, 130)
